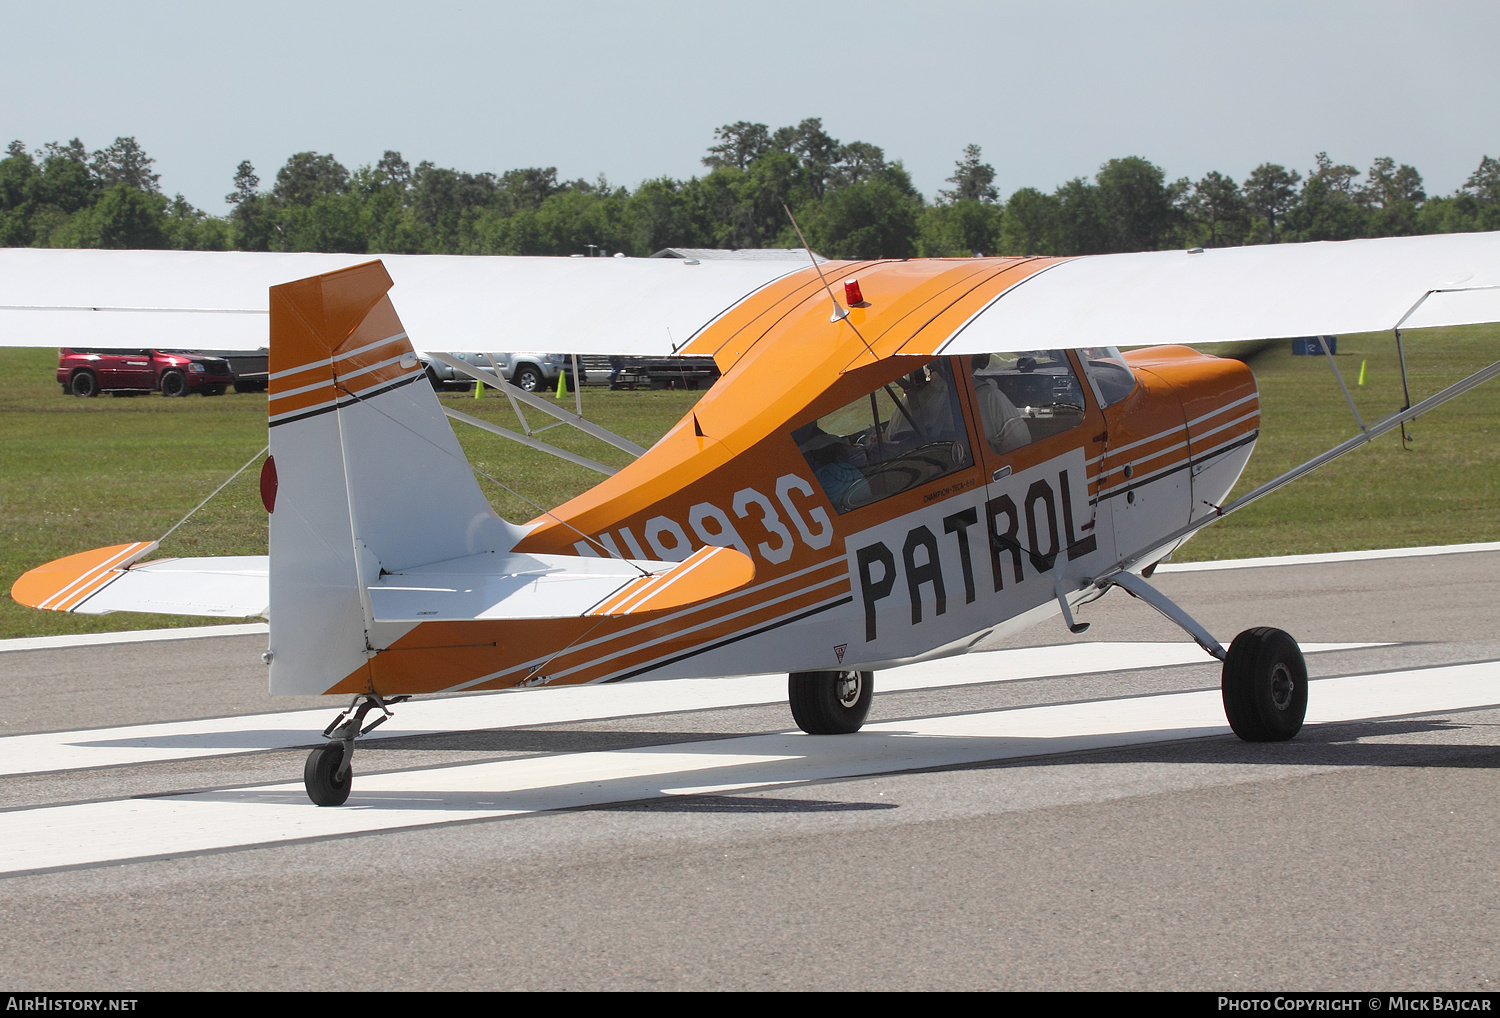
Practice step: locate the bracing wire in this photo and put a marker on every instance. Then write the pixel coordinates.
(220, 488)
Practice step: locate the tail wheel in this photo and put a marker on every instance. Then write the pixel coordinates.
(320, 775)
(1265, 686)
(173, 383)
(84, 384)
(830, 703)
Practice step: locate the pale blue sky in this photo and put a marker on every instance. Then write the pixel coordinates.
(635, 89)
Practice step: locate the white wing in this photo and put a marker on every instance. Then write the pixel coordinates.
(1266, 292)
(219, 299)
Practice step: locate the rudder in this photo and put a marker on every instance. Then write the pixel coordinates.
(369, 475)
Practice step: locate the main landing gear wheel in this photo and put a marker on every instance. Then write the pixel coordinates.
(325, 785)
(830, 703)
(1264, 686)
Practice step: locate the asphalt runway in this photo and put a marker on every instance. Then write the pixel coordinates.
(1053, 813)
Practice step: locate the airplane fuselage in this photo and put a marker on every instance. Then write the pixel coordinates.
(874, 544)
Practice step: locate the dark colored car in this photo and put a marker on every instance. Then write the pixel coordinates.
(172, 373)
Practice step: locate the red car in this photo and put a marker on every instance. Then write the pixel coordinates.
(174, 373)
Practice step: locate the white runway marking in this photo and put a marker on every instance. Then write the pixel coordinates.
(91, 833)
(184, 740)
(1325, 557)
(133, 636)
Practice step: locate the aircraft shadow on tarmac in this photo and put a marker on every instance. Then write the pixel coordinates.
(540, 740)
(1331, 744)
(249, 739)
(542, 783)
(732, 804)
(499, 740)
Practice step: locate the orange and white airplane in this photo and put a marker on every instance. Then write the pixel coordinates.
(900, 459)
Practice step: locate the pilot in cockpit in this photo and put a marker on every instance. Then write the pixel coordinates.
(925, 414)
(1005, 428)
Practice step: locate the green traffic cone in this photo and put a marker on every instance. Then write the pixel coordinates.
(478, 389)
(562, 385)
(1362, 372)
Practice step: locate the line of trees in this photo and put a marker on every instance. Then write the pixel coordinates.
(850, 200)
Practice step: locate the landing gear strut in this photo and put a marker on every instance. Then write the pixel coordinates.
(1264, 678)
(328, 774)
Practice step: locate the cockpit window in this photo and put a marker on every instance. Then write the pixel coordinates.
(1025, 396)
(1112, 378)
(902, 435)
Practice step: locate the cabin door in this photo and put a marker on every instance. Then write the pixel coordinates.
(1033, 424)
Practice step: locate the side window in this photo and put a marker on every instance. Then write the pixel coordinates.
(1025, 397)
(900, 436)
(1111, 376)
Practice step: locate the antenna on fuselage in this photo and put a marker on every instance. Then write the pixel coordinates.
(840, 313)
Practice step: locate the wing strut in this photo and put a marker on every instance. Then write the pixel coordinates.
(514, 393)
(530, 441)
(1328, 351)
(1135, 586)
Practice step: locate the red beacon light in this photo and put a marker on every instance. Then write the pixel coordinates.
(852, 295)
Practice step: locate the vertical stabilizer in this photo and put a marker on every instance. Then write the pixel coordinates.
(368, 475)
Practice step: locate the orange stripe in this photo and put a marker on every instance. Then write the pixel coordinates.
(92, 587)
(303, 401)
(63, 583)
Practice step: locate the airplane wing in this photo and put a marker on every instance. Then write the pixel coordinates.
(218, 299)
(483, 586)
(1271, 291)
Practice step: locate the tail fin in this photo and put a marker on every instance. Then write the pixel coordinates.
(365, 475)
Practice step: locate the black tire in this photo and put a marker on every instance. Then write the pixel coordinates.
(1265, 686)
(528, 378)
(174, 383)
(318, 775)
(214, 390)
(83, 383)
(247, 387)
(830, 703)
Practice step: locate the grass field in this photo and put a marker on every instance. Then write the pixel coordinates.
(83, 473)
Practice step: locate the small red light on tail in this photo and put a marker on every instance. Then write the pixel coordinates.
(268, 484)
(852, 296)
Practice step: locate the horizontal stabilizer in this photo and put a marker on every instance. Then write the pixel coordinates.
(235, 586)
(707, 573)
(484, 586)
(490, 586)
(107, 580)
